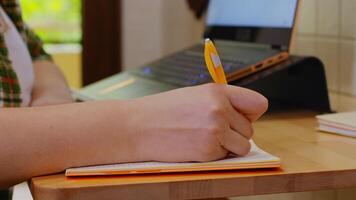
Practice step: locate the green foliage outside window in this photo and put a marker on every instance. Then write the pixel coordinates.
(55, 21)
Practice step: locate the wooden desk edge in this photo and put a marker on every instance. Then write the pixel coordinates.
(210, 188)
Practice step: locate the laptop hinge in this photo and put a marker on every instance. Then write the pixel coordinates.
(276, 47)
(279, 47)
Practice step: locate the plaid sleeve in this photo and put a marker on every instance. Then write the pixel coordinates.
(35, 45)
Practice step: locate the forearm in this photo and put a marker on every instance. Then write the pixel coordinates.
(50, 86)
(190, 124)
(43, 140)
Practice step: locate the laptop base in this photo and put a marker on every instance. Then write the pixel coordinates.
(297, 83)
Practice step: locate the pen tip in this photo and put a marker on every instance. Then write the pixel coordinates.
(207, 40)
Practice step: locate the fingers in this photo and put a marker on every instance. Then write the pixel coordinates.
(235, 142)
(240, 123)
(251, 104)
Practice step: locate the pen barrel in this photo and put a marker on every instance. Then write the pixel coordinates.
(221, 75)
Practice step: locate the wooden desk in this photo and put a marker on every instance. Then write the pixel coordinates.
(311, 160)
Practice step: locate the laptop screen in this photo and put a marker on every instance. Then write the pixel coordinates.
(258, 21)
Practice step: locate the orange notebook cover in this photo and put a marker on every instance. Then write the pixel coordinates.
(257, 158)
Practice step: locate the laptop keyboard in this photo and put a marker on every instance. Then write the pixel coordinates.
(186, 69)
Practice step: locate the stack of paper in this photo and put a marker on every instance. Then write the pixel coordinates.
(339, 123)
(257, 158)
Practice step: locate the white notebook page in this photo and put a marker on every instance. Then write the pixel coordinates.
(257, 158)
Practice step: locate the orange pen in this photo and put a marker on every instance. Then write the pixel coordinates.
(213, 63)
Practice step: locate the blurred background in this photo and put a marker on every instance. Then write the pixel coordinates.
(58, 23)
(113, 35)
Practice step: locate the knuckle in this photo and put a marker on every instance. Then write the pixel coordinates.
(246, 147)
(216, 111)
(249, 131)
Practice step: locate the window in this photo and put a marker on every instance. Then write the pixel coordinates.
(54, 21)
(58, 24)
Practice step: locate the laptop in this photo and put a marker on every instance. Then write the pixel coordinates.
(250, 36)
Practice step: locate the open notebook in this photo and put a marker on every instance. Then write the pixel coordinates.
(257, 158)
(339, 123)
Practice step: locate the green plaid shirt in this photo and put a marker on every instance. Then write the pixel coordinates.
(10, 91)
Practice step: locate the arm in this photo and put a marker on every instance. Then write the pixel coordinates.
(211, 121)
(49, 139)
(50, 86)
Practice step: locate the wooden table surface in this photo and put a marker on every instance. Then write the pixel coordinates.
(311, 160)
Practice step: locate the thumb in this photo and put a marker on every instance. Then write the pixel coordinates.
(247, 102)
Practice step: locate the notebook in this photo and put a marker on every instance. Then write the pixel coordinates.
(339, 123)
(257, 158)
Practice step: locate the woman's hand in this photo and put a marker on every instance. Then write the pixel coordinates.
(201, 123)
